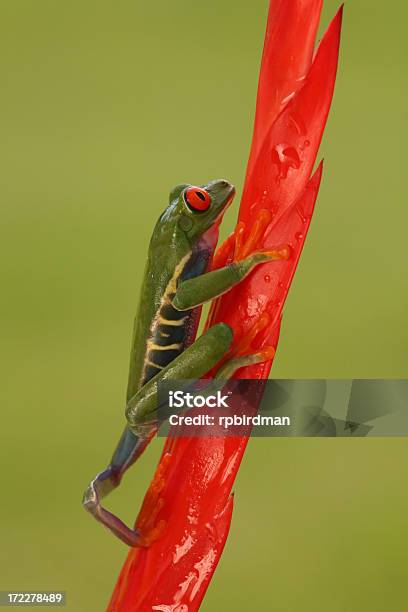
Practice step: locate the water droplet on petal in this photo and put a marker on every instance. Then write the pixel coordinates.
(267, 278)
(285, 157)
(299, 236)
(307, 143)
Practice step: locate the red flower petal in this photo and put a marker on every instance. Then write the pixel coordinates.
(287, 55)
(288, 153)
(195, 476)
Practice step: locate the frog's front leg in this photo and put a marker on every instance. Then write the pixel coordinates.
(201, 289)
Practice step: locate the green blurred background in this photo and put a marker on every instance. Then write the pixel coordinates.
(104, 107)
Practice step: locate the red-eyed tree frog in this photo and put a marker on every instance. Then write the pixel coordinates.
(176, 284)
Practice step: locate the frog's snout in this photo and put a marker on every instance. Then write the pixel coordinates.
(221, 189)
(223, 184)
(228, 190)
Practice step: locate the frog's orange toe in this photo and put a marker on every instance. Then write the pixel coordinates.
(283, 251)
(266, 354)
(244, 344)
(243, 347)
(246, 246)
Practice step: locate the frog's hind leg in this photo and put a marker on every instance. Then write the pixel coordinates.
(198, 359)
(141, 412)
(129, 449)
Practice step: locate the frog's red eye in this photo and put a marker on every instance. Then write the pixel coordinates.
(197, 199)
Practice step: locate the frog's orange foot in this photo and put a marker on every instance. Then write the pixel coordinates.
(243, 350)
(146, 522)
(247, 244)
(265, 354)
(282, 251)
(243, 346)
(239, 245)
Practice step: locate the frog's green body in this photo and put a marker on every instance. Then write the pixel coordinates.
(172, 258)
(176, 284)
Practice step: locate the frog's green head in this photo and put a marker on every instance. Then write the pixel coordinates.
(198, 209)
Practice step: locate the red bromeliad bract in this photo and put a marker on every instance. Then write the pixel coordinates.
(189, 500)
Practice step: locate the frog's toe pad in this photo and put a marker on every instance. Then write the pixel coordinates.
(244, 246)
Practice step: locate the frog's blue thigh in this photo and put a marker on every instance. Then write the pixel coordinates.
(128, 450)
(130, 447)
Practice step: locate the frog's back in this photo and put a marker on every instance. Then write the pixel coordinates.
(161, 332)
